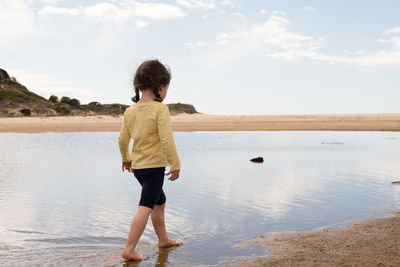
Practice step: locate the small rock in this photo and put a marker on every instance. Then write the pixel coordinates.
(258, 160)
(396, 182)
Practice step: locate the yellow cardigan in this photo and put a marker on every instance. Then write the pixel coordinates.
(149, 125)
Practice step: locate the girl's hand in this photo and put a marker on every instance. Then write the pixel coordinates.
(127, 166)
(174, 175)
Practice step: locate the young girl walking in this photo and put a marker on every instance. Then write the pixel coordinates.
(148, 123)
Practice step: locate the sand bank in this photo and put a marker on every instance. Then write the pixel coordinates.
(204, 122)
(371, 242)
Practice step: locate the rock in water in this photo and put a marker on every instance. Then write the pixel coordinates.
(396, 182)
(258, 160)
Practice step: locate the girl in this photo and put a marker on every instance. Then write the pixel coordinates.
(148, 123)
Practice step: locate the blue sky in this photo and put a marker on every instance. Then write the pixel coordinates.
(226, 57)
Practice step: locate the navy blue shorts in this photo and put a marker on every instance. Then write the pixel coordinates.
(151, 180)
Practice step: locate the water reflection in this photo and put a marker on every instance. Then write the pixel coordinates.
(161, 261)
(70, 203)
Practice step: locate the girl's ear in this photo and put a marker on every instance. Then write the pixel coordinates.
(162, 88)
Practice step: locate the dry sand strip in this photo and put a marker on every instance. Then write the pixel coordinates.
(204, 122)
(61, 124)
(346, 122)
(371, 242)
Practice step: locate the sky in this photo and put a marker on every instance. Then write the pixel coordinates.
(230, 57)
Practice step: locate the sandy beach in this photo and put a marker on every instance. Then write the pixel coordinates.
(205, 122)
(370, 242)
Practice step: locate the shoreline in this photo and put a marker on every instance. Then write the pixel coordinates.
(369, 242)
(206, 122)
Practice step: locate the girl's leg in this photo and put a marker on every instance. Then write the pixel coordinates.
(158, 220)
(138, 225)
(151, 180)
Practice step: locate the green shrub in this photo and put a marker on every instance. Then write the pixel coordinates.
(25, 111)
(74, 102)
(53, 99)
(62, 109)
(65, 99)
(180, 107)
(123, 108)
(4, 75)
(94, 103)
(93, 106)
(88, 107)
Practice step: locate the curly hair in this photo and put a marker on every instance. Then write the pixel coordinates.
(151, 74)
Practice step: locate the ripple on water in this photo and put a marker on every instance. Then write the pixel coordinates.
(73, 206)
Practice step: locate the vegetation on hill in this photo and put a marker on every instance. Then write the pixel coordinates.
(181, 108)
(105, 108)
(12, 90)
(17, 101)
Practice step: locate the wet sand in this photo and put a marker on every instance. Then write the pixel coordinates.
(370, 242)
(205, 122)
(86, 255)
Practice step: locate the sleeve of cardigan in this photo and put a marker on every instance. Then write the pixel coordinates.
(167, 139)
(124, 140)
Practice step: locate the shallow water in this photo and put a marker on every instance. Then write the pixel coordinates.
(65, 202)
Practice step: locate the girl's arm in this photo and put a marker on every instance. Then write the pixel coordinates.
(167, 139)
(123, 141)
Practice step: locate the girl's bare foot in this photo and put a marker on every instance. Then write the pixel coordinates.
(170, 243)
(132, 255)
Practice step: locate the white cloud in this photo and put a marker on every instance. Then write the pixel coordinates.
(157, 11)
(53, 2)
(278, 13)
(207, 4)
(239, 15)
(16, 22)
(197, 44)
(119, 12)
(392, 31)
(274, 39)
(106, 12)
(228, 3)
(309, 8)
(384, 58)
(141, 24)
(202, 4)
(45, 86)
(51, 10)
(292, 55)
(185, 3)
(103, 12)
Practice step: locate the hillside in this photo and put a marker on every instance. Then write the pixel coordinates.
(181, 108)
(17, 101)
